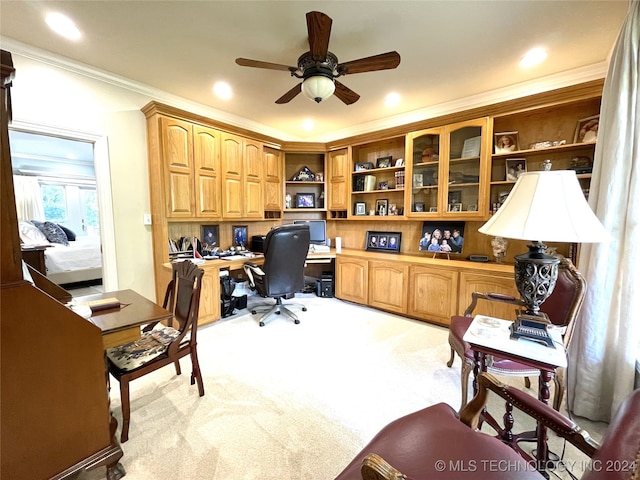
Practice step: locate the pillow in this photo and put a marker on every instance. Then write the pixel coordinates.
(71, 236)
(54, 233)
(29, 233)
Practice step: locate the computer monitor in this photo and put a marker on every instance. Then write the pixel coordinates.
(317, 230)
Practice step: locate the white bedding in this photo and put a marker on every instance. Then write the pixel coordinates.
(82, 255)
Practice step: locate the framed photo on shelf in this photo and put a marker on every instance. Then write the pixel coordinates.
(210, 236)
(506, 142)
(305, 200)
(384, 162)
(393, 209)
(455, 207)
(473, 207)
(455, 196)
(514, 167)
(418, 207)
(360, 208)
(417, 180)
(386, 242)
(400, 162)
(363, 166)
(433, 209)
(587, 130)
(240, 236)
(383, 185)
(382, 207)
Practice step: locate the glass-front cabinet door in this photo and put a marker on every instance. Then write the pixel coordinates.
(464, 193)
(424, 152)
(449, 171)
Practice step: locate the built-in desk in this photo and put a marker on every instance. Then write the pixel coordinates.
(210, 295)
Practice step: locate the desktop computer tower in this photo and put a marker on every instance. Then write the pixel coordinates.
(325, 285)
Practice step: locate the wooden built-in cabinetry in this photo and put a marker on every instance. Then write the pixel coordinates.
(419, 287)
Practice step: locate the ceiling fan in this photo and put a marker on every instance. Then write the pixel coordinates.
(318, 68)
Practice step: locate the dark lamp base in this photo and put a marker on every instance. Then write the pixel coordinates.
(535, 276)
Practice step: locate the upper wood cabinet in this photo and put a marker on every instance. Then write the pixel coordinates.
(191, 156)
(339, 175)
(448, 171)
(241, 177)
(273, 180)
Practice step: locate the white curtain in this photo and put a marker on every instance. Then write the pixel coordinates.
(28, 198)
(605, 347)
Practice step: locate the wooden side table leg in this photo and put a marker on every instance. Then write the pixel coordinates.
(542, 453)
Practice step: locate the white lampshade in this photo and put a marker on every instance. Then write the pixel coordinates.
(318, 88)
(547, 206)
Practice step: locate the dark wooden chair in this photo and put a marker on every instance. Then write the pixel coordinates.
(437, 443)
(561, 307)
(162, 345)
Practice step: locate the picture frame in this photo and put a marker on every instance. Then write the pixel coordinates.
(417, 180)
(399, 162)
(384, 162)
(382, 207)
(455, 196)
(240, 235)
(418, 207)
(506, 142)
(393, 209)
(360, 208)
(305, 200)
(442, 237)
(433, 209)
(455, 207)
(514, 167)
(210, 236)
(473, 207)
(385, 242)
(383, 185)
(363, 166)
(587, 130)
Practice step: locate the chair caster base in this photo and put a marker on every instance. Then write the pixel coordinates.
(253, 312)
(304, 309)
(296, 321)
(261, 324)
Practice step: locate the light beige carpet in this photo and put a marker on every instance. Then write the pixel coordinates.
(286, 401)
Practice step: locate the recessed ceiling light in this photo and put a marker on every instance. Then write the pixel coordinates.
(222, 90)
(308, 124)
(392, 100)
(533, 57)
(63, 25)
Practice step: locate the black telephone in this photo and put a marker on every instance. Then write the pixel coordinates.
(530, 328)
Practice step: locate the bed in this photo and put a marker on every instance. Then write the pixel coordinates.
(68, 258)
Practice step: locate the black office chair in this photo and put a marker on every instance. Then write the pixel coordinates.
(282, 274)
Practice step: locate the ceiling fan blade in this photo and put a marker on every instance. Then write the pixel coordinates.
(290, 95)
(384, 61)
(319, 29)
(245, 62)
(345, 94)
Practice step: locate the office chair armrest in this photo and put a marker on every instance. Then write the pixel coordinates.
(252, 269)
(530, 406)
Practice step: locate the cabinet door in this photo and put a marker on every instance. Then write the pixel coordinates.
(339, 164)
(253, 206)
(177, 146)
(206, 142)
(387, 285)
(209, 297)
(488, 283)
(273, 185)
(464, 173)
(351, 279)
(231, 159)
(425, 150)
(433, 293)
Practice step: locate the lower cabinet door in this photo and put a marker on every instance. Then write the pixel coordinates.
(433, 294)
(209, 297)
(351, 279)
(388, 285)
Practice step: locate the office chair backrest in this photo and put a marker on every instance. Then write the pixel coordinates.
(286, 248)
(564, 302)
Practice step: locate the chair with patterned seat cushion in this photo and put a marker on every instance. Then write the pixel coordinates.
(561, 307)
(162, 345)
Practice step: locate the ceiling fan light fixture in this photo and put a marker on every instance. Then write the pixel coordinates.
(318, 88)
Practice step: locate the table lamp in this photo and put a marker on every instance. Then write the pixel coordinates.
(545, 206)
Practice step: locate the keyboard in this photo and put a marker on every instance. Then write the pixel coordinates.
(233, 257)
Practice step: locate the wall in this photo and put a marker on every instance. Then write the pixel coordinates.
(54, 97)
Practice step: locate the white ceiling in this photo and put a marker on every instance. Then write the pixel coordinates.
(450, 50)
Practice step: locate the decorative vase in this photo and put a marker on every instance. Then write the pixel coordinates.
(499, 245)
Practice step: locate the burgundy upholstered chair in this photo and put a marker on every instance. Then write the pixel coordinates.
(561, 307)
(428, 444)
